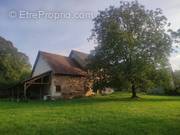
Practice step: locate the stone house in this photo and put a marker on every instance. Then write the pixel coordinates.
(56, 76)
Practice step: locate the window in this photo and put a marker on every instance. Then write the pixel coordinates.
(58, 88)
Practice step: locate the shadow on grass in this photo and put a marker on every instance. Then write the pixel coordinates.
(127, 99)
(89, 101)
(106, 99)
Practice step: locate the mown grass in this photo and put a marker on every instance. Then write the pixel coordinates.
(115, 114)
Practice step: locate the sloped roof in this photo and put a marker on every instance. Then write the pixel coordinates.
(79, 57)
(62, 64)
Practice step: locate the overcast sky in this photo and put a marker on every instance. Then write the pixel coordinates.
(44, 28)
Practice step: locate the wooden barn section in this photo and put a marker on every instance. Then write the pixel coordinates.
(55, 76)
(38, 86)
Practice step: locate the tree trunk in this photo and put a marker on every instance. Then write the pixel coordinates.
(133, 88)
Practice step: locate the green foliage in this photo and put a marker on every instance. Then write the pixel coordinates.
(132, 43)
(14, 65)
(114, 114)
(177, 78)
(162, 79)
(176, 37)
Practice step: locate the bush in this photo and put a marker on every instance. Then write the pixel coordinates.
(158, 91)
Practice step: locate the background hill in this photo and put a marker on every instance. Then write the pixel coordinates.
(14, 65)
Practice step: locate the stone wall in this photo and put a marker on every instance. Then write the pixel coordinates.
(71, 87)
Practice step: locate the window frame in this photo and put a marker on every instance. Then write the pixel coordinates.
(58, 89)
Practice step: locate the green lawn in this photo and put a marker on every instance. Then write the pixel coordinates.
(115, 114)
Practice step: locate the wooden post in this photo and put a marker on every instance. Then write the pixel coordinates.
(40, 94)
(41, 88)
(25, 96)
(12, 94)
(17, 94)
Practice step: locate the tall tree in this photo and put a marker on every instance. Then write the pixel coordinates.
(14, 65)
(176, 37)
(131, 43)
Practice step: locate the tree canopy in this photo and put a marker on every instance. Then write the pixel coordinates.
(14, 65)
(132, 43)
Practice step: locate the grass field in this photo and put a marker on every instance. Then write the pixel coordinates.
(115, 114)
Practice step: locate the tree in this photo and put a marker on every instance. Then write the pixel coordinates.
(131, 43)
(175, 36)
(177, 78)
(14, 65)
(176, 75)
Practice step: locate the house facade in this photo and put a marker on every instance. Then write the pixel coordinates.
(55, 76)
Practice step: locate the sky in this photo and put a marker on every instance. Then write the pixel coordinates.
(59, 26)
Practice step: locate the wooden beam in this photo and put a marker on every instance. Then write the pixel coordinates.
(36, 78)
(37, 83)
